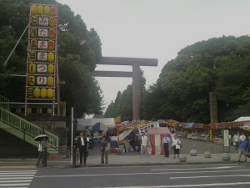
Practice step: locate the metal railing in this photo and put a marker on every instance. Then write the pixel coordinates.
(24, 125)
(4, 102)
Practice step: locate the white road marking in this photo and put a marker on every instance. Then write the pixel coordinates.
(217, 176)
(134, 174)
(14, 184)
(16, 181)
(184, 169)
(193, 185)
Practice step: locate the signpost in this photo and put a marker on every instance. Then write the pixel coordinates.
(226, 147)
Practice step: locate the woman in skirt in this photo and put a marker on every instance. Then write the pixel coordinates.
(176, 145)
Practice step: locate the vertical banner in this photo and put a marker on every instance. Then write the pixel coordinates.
(41, 54)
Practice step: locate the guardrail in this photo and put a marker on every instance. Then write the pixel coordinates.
(5, 101)
(25, 126)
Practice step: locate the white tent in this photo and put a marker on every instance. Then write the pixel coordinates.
(244, 118)
(86, 123)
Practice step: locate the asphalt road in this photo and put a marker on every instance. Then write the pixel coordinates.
(167, 176)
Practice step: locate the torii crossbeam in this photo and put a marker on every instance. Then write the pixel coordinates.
(135, 74)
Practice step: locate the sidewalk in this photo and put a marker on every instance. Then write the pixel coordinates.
(123, 159)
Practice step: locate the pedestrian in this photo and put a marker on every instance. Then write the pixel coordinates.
(242, 137)
(176, 145)
(166, 141)
(42, 149)
(144, 144)
(82, 147)
(243, 147)
(104, 150)
(236, 140)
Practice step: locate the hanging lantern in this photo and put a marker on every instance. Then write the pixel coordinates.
(43, 93)
(40, 9)
(52, 21)
(50, 68)
(53, 11)
(33, 44)
(32, 80)
(37, 92)
(51, 57)
(47, 10)
(52, 33)
(32, 68)
(33, 56)
(33, 32)
(50, 81)
(51, 45)
(34, 20)
(34, 9)
(50, 93)
(30, 92)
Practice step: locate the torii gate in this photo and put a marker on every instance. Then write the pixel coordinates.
(135, 74)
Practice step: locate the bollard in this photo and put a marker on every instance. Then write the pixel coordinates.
(182, 158)
(226, 157)
(207, 154)
(193, 152)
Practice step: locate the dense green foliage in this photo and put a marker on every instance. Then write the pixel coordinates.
(220, 65)
(182, 91)
(123, 105)
(78, 49)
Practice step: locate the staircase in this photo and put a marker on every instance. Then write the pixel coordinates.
(23, 129)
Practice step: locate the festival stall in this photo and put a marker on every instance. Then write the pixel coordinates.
(156, 134)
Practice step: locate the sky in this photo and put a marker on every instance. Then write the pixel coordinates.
(156, 29)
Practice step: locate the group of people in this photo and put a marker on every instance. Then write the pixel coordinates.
(176, 144)
(242, 145)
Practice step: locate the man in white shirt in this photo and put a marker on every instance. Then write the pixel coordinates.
(242, 137)
(144, 144)
(166, 141)
(236, 140)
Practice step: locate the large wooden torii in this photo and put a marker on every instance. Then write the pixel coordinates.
(135, 74)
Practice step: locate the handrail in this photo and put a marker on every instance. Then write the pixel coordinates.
(6, 101)
(26, 126)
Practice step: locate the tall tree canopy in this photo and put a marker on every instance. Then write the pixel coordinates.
(220, 65)
(79, 49)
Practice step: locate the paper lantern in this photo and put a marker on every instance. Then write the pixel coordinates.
(51, 57)
(32, 56)
(43, 93)
(30, 92)
(37, 92)
(52, 33)
(33, 32)
(47, 10)
(50, 68)
(50, 93)
(32, 68)
(34, 9)
(34, 20)
(32, 80)
(53, 11)
(40, 9)
(52, 21)
(33, 44)
(50, 81)
(51, 45)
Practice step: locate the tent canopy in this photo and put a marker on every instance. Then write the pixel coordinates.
(99, 127)
(83, 123)
(159, 130)
(244, 118)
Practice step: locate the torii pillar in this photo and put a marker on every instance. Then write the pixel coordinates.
(135, 74)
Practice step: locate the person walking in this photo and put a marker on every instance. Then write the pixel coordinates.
(104, 150)
(236, 140)
(242, 137)
(166, 141)
(176, 145)
(144, 144)
(82, 147)
(42, 148)
(243, 147)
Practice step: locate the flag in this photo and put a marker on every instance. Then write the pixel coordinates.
(118, 119)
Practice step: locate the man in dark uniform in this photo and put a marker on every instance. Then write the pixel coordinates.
(82, 147)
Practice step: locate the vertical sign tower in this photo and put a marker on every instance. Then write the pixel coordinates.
(41, 54)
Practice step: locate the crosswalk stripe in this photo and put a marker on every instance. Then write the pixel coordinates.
(16, 178)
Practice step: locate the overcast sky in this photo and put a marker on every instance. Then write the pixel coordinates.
(156, 29)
